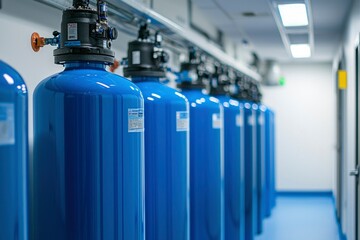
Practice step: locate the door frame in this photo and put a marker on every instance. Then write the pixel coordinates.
(340, 107)
(357, 139)
(341, 162)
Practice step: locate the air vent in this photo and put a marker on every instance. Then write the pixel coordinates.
(254, 14)
(248, 14)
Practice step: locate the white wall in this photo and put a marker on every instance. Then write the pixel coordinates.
(305, 124)
(347, 48)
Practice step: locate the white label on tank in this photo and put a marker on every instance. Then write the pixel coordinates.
(182, 121)
(251, 120)
(216, 121)
(72, 31)
(7, 124)
(136, 57)
(239, 120)
(261, 120)
(135, 119)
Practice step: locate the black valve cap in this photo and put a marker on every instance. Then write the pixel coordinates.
(56, 33)
(144, 32)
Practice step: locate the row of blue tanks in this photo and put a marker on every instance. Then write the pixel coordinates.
(132, 160)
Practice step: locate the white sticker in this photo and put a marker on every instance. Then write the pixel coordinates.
(7, 124)
(261, 120)
(182, 121)
(136, 57)
(135, 119)
(239, 120)
(72, 31)
(216, 121)
(251, 120)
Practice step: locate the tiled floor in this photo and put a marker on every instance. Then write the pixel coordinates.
(302, 217)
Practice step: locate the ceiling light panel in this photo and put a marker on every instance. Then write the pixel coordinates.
(293, 15)
(300, 50)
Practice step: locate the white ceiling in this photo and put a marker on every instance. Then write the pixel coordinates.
(329, 19)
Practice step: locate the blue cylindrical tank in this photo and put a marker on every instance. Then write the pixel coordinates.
(206, 167)
(234, 168)
(251, 199)
(241, 91)
(234, 196)
(261, 168)
(13, 155)
(166, 161)
(206, 157)
(87, 172)
(272, 159)
(166, 143)
(268, 205)
(88, 156)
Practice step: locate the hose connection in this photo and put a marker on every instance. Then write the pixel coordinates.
(38, 42)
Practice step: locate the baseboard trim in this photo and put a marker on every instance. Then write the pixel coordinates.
(304, 193)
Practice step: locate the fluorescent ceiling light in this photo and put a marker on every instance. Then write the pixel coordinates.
(293, 15)
(300, 50)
